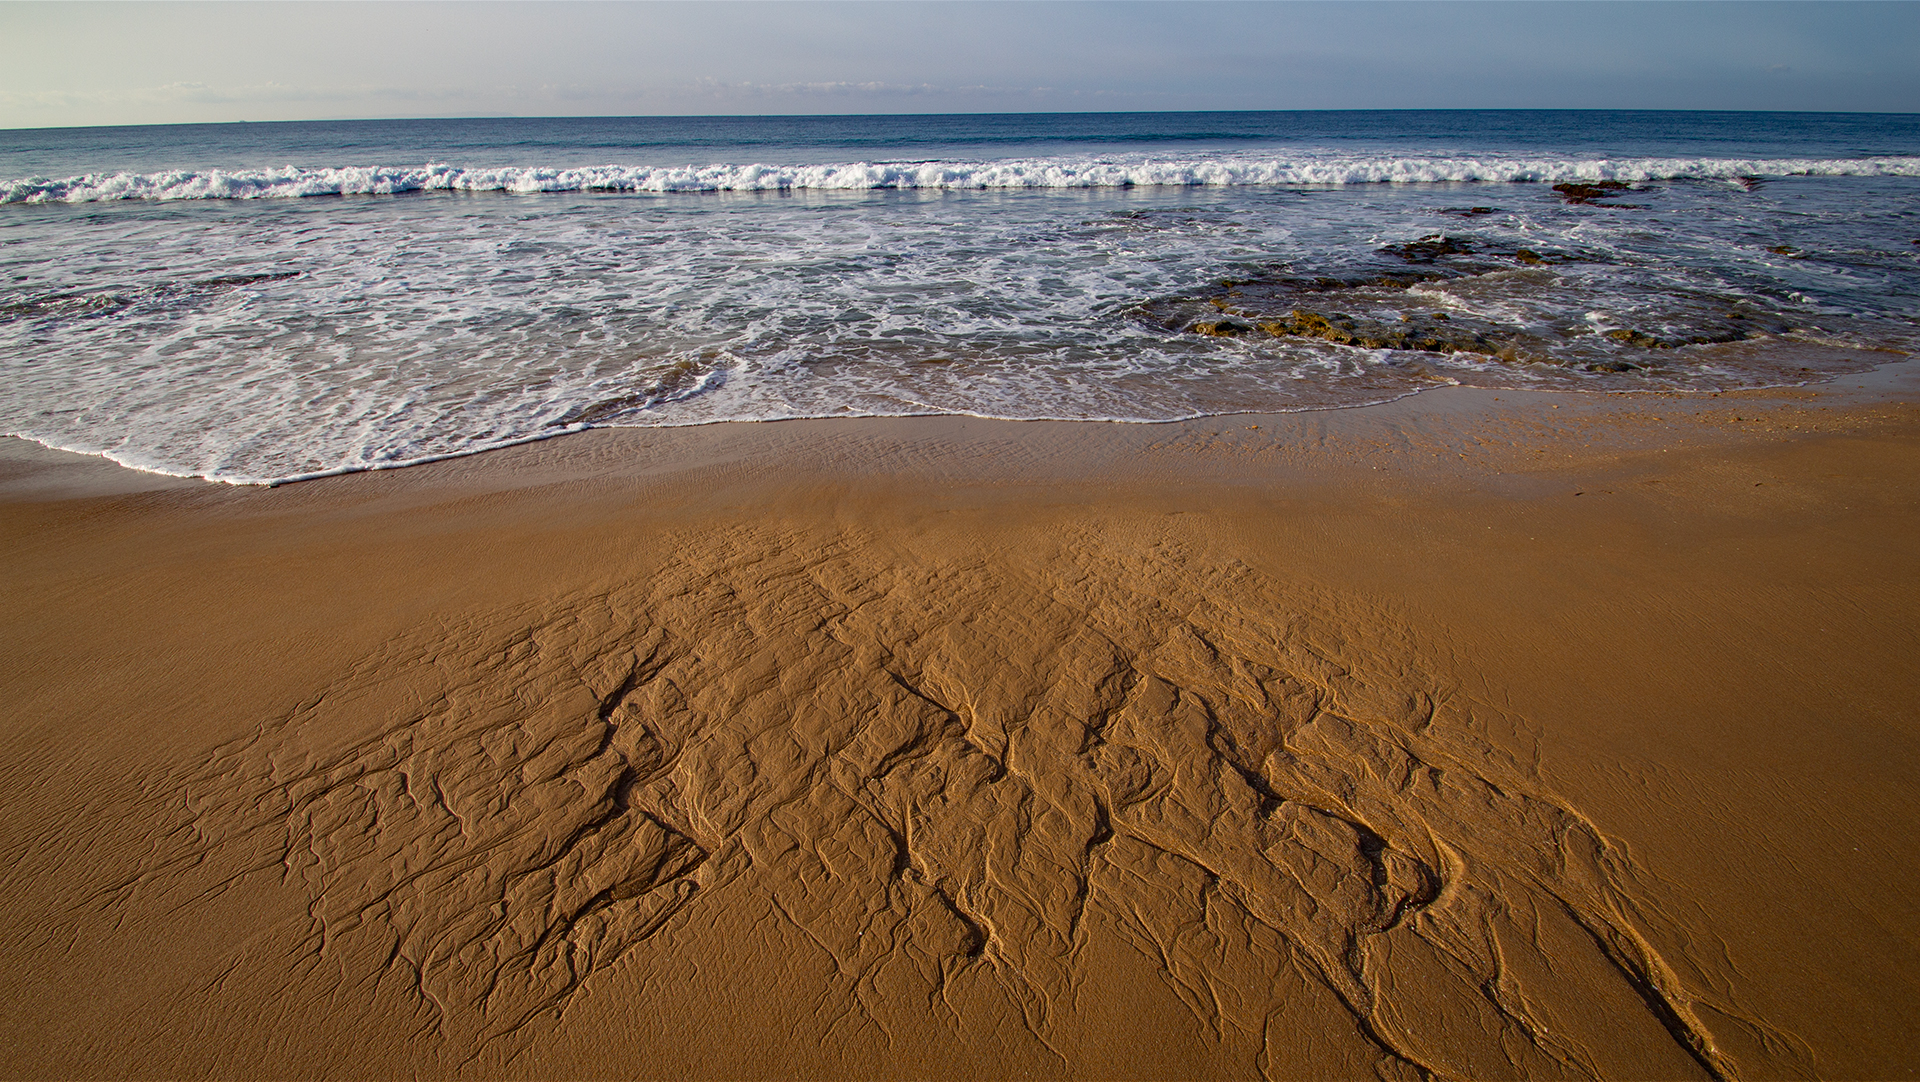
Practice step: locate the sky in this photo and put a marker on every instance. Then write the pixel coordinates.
(73, 64)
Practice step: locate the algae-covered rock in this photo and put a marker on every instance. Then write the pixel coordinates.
(1639, 338)
(1222, 328)
(1478, 282)
(1347, 330)
(1732, 325)
(1594, 194)
(1428, 249)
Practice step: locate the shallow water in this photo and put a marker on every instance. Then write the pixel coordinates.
(186, 301)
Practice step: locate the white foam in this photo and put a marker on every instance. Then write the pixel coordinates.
(1316, 168)
(303, 339)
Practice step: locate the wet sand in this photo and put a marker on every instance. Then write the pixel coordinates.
(1485, 734)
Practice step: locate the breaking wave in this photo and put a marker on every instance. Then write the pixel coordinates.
(1090, 172)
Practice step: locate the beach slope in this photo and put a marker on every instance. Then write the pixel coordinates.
(1480, 735)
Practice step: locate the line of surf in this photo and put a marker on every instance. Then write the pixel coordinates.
(1034, 173)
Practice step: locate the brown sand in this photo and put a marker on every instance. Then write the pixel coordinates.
(1483, 735)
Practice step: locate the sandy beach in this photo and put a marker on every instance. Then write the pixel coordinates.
(1483, 734)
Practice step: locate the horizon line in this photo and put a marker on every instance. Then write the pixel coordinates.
(965, 113)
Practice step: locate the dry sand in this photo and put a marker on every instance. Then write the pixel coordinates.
(1481, 735)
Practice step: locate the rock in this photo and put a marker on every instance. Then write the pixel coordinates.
(1427, 249)
(1377, 310)
(1348, 331)
(64, 304)
(1590, 194)
(1738, 326)
(1222, 328)
(1639, 338)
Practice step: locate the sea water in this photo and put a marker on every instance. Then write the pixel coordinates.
(261, 302)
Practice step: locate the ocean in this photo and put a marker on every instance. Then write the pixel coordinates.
(264, 302)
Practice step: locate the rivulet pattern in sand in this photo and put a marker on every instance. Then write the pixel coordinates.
(949, 777)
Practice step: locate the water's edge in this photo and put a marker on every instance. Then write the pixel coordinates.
(1880, 374)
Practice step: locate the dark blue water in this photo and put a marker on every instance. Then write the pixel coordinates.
(566, 142)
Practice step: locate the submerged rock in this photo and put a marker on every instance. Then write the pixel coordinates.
(64, 304)
(1593, 194)
(1410, 335)
(234, 281)
(676, 380)
(1364, 311)
(1440, 250)
(1735, 325)
(1638, 338)
(1222, 328)
(1398, 310)
(1428, 249)
(107, 302)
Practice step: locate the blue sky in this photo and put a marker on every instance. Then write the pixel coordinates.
(108, 63)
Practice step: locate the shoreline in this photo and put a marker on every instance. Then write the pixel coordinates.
(1476, 732)
(27, 465)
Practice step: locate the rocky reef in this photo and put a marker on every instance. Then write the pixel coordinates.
(1600, 193)
(1431, 295)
